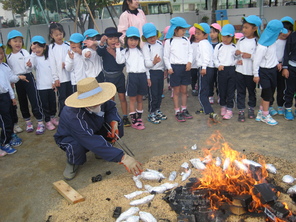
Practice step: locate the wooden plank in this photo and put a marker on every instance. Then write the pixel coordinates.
(71, 195)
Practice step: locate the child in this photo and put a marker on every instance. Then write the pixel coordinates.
(93, 62)
(58, 49)
(205, 61)
(246, 48)
(19, 62)
(178, 59)
(40, 63)
(74, 62)
(153, 56)
(215, 39)
(194, 69)
(265, 68)
(138, 79)
(113, 71)
(224, 60)
(289, 72)
(288, 23)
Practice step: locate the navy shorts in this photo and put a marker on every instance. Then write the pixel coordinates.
(118, 81)
(137, 84)
(268, 77)
(180, 76)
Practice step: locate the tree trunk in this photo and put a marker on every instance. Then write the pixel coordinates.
(214, 8)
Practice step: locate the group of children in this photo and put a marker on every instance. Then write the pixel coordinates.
(210, 58)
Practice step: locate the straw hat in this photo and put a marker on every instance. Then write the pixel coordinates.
(91, 93)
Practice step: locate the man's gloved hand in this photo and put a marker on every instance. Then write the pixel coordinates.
(131, 165)
(113, 131)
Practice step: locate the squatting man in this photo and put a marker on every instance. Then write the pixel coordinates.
(82, 127)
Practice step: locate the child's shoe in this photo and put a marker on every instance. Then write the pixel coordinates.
(269, 120)
(2, 153)
(30, 127)
(259, 116)
(15, 140)
(49, 126)
(17, 129)
(228, 114)
(186, 114)
(126, 121)
(241, 116)
(8, 149)
(139, 125)
(272, 111)
(54, 121)
(40, 129)
(281, 111)
(153, 119)
(223, 110)
(214, 117)
(211, 99)
(160, 115)
(251, 114)
(288, 114)
(179, 117)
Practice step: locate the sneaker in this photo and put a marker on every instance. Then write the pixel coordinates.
(228, 114)
(251, 114)
(241, 116)
(281, 111)
(214, 117)
(269, 120)
(15, 140)
(8, 149)
(30, 127)
(259, 116)
(126, 121)
(180, 117)
(223, 110)
(49, 126)
(194, 93)
(288, 114)
(70, 171)
(17, 129)
(139, 125)
(272, 111)
(2, 153)
(160, 115)
(211, 99)
(153, 119)
(54, 121)
(186, 114)
(40, 129)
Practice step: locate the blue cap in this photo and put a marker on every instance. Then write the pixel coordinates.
(271, 32)
(38, 38)
(14, 33)
(228, 30)
(255, 20)
(176, 22)
(90, 33)
(149, 30)
(203, 27)
(287, 19)
(132, 31)
(76, 38)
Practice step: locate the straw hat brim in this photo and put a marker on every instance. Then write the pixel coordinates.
(108, 91)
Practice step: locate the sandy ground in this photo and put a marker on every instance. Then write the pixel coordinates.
(27, 193)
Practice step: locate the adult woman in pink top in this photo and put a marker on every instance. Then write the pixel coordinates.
(131, 16)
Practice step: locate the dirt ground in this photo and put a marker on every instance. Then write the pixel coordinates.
(27, 193)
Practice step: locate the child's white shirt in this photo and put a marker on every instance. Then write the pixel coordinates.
(76, 67)
(249, 46)
(224, 55)
(150, 51)
(195, 54)
(94, 64)
(43, 74)
(265, 57)
(18, 62)
(280, 48)
(206, 58)
(6, 78)
(177, 50)
(57, 55)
